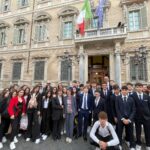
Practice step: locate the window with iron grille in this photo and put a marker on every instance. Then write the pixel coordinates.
(66, 70)
(138, 72)
(39, 70)
(16, 72)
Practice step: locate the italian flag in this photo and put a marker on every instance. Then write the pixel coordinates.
(84, 15)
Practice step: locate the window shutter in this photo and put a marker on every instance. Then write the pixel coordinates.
(23, 36)
(16, 35)
(36, 32)
(143, 15)
(44, 33)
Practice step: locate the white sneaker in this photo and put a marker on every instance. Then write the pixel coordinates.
(62, 132)
(120, 147)
(4, 140)
(37, 141)
(69, 140)
(28, 139)
(44, 137)
(19, 135)
(1, 145)
(12, 145)
(15, 140)
(132, 148)
(138, 147)
(147, 148)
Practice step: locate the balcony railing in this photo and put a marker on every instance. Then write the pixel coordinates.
(131, 1)
(101, 34)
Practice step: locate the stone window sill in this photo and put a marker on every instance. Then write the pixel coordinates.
(20, 44)
(44, 1)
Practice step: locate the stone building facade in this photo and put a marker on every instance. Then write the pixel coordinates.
(34, 34)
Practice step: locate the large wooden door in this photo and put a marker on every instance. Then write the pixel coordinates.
(98, 68)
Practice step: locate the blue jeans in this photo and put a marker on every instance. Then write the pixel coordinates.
(69, 124)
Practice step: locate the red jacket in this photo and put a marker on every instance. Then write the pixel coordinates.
(13, 108)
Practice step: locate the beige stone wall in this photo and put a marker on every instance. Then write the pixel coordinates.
(54, 46)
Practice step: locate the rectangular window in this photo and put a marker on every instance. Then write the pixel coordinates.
(138, 71)
(66, 71)
(16, 74)
(19, 35)
(24, 2)
(40, 32)
(67, 30)
(2, 37)
(39, 70)
(137, 19)
(6, 5)
(134, 20)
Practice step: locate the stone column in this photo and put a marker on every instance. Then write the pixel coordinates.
(118, 63)
(111, 66)
(86, 68)
(148, 67)
(81, 64)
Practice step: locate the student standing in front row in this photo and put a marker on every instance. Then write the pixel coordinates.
(142, 116)
(57, 115)
(33, 113)
(103, 134)
(5, 119)
(125, 108)
(70, 110)
(85, 108)
(16, 109)
(98, 106)
(46, 113)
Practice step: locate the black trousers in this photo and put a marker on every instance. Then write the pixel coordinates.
(57, 125)
(129, 132)
(4, 126)
(33, 129)
(15, 123)
(83, 114)
(105, 139)
(45, 123)
(138, 126)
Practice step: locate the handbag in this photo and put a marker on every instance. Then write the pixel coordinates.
(24, 122)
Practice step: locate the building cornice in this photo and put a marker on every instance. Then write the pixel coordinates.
(60, 5)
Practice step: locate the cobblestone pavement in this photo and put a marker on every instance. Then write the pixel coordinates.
(49, 144)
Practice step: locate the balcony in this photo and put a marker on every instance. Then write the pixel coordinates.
(101, 35)
(128, 2)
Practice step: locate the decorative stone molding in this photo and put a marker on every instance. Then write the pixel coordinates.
(42, 16)
(68, 11)
(135, 6)
(40, 56)
(4, 24)
(18, 57)
(21, 20)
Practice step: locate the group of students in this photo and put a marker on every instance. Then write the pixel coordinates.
(125, 108)
(70, 110)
